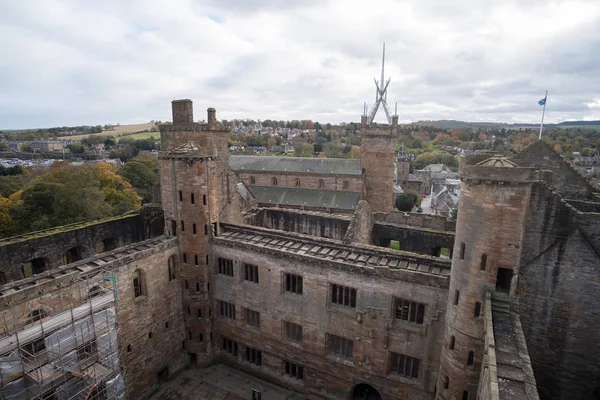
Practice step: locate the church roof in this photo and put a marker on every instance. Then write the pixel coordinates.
(300, 165)
(273, 195)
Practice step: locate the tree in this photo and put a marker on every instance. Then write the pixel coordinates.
(117, 191)
(308, 150)
(142, 172)
(405, 202)
(7, 225)
(77, 148)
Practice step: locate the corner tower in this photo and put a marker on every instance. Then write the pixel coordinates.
(196, 186)
(494, 202)
(377, 163)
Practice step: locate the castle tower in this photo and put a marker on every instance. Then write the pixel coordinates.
(492, 212)
(377, 163)
(196, 186)
(402, 168)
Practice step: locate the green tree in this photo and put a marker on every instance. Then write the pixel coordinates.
(142, 172)
(405, 202)
(77, 148)
(308, 150)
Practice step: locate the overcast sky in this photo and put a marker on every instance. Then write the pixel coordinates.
(70, 62)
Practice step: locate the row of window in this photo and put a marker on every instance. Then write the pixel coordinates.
(483, 263)
(476, 311)
(192, 198)
(405, 310)
(275, 182)
(400, 364)
(465, 395)
(194, 230)
(470, 356)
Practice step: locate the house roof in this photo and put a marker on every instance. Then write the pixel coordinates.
(305, 197)
(303, 165)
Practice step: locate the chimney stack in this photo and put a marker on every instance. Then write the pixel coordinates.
(183, 111)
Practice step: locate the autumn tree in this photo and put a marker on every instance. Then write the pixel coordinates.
(142, 173)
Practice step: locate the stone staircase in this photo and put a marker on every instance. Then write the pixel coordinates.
(501, 304)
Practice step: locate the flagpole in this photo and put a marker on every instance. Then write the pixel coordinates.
(543, 112)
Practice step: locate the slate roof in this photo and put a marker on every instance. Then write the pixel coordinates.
(304, 165)
(305, 197)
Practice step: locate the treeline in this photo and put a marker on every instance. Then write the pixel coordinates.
(65, 194)
(124, 149)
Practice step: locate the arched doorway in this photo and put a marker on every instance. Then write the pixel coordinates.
(363, 391)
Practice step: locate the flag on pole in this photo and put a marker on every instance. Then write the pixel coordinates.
(542, 101)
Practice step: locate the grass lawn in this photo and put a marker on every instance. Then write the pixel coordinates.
(141, 135)
(394, 244)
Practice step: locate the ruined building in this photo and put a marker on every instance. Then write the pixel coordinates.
(502, 304)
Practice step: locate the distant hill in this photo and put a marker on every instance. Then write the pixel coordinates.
(453, 124)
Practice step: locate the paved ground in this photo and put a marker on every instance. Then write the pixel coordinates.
(426, 205)
(220, 382)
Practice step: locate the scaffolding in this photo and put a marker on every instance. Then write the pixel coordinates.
(72, 355)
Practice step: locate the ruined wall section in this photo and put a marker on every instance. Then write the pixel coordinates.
(426, 221)
(88, 239)
(559, 289)
(361, 225)
(307, 181)
(416, 240)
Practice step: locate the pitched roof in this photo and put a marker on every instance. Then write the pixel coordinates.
(305, 197)
(304, 165)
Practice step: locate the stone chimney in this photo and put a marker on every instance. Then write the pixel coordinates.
(183, 111)
(212, 116)
(363, 122)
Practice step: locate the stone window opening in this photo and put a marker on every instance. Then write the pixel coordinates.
(346, 185)
(251, 273)
(253, 356)
(229, 346)
(343, 295)
(149, 335)
(72, 255)
(456, 296)
(193, 200)
(137, 283)
(171, 267)
(187, 285)
(173, 229)
(340, 347)
(180, 195)
(2, 278)
(194, 228)
(470, 358)
(503, 280)
(225, 266)
(410, 311)
(465, 395)
(184, 258)
(226, 310)
(292, 331)
(206, 229)
(199, 313)
(252, 180)
(294, 370)
(462, 251)
(405, 366)
(274, 181)
(293, 283)
(197, 286)
(297, 182)
(477, 309)
(182, 226)
(129, 348)
(251, 317)
(204, 199)
(446, 382)
(452, 342)
(483, 262)
(195, 259)
(189, 311)
(190, 335)
(321, 183)
(167, 325)
(37, 315)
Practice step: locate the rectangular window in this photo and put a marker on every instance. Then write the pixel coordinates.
(194, 228)
(229, 346)
(137, 287)
(293, 331)
(293, 283)
(456, 296)
(342, 295)
(227, 310)
(253, 356)
(252, 317)
(182, 226)
(405, 366)
(251, 273)
(199, 313)
(196, 259)
(477, 309)
(225, 266)
(180, 195)
(206, 229)
(204, 199)
(294, 370)
(340, 347)
(193, 199)
(184, 257)
(410, 311)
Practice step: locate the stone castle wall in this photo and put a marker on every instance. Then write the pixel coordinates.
(307, 181)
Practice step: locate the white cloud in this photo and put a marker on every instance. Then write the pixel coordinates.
(69, 62)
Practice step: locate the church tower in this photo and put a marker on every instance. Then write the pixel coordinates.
(377, 163)
(196, 186)
(490, 227)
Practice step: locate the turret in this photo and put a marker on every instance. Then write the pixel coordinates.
(490, 226)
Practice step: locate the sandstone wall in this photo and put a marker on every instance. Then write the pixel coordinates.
(421, 241)
(436, 222)
(307, 181)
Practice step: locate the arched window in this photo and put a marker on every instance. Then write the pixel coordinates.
(483, 261)
(72, 255)
(297, 182)
(172, 263)
(321, 183)
(252, 180)
(452, 342)
(94, 291)
(274, 181)
(137, 283)
(462, 251)
(346, 185)
(36, 315)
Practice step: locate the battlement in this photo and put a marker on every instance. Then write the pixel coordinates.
(366, 259)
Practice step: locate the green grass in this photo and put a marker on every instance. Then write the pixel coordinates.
(142, 135)
(394, 244)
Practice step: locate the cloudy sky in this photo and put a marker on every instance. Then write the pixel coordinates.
(68, 62)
